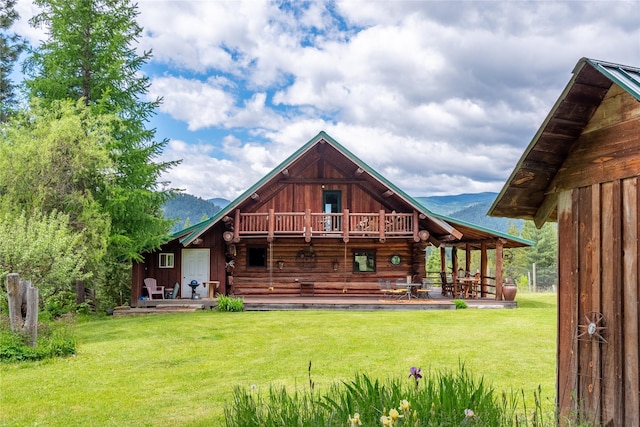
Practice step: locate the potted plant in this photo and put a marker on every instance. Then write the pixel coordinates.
(509, 289)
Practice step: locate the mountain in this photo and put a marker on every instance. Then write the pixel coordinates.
(468, 207)
(447, 205)
(477, 214)
(188, 210)
(221, 203)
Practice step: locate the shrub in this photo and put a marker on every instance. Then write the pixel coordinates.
(61, 303)
(55, 339)
(42, 248)
(228, 303)
(460, 304)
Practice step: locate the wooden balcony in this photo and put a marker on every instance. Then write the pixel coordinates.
(308, 224)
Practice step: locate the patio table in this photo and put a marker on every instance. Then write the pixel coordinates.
(468, 283)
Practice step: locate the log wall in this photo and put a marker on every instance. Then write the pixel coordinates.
(319, 268)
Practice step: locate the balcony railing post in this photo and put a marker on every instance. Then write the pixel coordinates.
(416, 236)
(307, 225)
(236, 228)
(383, 226)
(271, 225)
(346, 225)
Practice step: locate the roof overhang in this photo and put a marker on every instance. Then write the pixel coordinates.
(526, 193)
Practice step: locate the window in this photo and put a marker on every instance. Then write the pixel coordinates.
(257, 257)
(364, 261)
(166, 260)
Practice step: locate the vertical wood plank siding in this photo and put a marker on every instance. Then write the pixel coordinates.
(598, 272)
(630, 300)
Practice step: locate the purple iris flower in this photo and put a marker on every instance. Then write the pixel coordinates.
(415, 373)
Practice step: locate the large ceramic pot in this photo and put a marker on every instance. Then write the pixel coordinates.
(509, 291)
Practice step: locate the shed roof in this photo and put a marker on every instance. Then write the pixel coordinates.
(439, 226)
(524, 194)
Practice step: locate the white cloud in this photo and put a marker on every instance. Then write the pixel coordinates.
(200, 104)
(26, 9)
(439, 97)
(203, 175)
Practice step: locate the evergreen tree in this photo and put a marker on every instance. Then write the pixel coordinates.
(433, 259)
(515, 264)
(544, 254)
(89, 56)
(10, 47)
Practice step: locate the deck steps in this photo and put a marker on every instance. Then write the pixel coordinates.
(173, 307)
(183, 307)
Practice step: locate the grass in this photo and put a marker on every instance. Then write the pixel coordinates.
(182, 368)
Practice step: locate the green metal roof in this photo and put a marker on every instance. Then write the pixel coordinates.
(623, 75)
(188, 235)
(485, 229)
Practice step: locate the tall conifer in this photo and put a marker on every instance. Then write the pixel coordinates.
(10, 47)
(90, 54)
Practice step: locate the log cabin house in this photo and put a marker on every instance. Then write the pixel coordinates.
(323, 223)
(582, 170)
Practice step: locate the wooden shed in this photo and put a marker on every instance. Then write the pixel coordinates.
(321, 222)
(582, 169)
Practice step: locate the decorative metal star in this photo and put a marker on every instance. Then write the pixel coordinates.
(594, 327)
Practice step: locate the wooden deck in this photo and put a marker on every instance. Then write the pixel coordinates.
(365, 303)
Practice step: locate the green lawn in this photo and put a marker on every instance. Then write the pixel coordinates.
(180, 369)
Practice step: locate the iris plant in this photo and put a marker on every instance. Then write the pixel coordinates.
(416, 374)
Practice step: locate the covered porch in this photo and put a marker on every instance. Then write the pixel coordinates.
(435, 301)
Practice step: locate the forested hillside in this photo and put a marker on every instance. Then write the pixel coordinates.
(448, 205)
(477, 214)
(470, 208)
(188, 210)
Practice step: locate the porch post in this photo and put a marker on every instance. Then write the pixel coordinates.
(499, 245)
(454, 259)
(467, 258)
(443, 259)
(484, 272)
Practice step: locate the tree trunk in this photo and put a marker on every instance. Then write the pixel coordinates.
(15, 302)
(31, 320)
(22, 293)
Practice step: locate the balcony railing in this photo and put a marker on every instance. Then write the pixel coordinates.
(317, 224)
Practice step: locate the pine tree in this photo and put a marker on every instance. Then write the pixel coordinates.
(90, 56)
(10, 47)
(544, 254)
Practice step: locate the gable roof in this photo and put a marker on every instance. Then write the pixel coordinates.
(438, 225)
(524, 194)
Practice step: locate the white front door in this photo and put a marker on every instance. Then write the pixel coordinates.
(195, 266)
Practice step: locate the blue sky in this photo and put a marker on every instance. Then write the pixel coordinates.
(439, 97)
